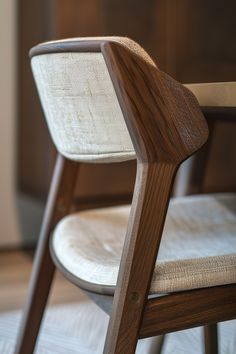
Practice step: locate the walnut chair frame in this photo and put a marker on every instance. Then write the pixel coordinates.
(166, 126)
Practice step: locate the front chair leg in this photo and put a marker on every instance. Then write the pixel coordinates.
(57, 206)
(211, 338)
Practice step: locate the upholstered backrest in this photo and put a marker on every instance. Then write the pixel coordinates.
(79, 101)
(98, 93)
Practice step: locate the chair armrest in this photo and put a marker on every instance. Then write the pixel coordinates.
(164, 119)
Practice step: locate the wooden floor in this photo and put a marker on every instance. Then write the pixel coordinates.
(15, 268)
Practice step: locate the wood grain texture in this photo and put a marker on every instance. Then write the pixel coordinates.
(163, 117)
(166, 126)
(139, 255)
(185, 68)
(58, 205)
(188, 309)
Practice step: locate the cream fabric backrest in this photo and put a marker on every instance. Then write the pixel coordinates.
(80, 104)
(81, 107)
(79, 101)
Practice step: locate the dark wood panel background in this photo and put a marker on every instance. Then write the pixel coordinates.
(194, 41)
(35, 152)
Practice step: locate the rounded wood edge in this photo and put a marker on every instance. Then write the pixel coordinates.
(143, 130)
(66, 46)
(80, 44)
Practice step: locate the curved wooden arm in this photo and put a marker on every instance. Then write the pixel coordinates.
(166, 126)
(164, 119)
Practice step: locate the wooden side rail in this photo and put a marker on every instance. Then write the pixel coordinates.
(188, 309)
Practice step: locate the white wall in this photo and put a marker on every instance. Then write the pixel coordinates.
(9, 230)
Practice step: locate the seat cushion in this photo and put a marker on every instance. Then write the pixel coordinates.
(198, 247)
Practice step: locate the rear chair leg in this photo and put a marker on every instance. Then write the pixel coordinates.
(211, 338)
(157, 345)
(58, 205)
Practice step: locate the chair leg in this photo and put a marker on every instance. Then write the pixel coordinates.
(157, 345)
(211, 339)
(58, 204)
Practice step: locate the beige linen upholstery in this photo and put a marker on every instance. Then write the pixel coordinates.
(198, 247)
(81, 107)
(80, 103)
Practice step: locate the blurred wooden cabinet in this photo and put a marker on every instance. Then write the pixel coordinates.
(192, 40)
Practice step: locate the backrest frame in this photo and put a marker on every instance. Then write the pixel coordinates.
(111, 48)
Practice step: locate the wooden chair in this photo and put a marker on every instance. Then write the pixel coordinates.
(106, 101)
